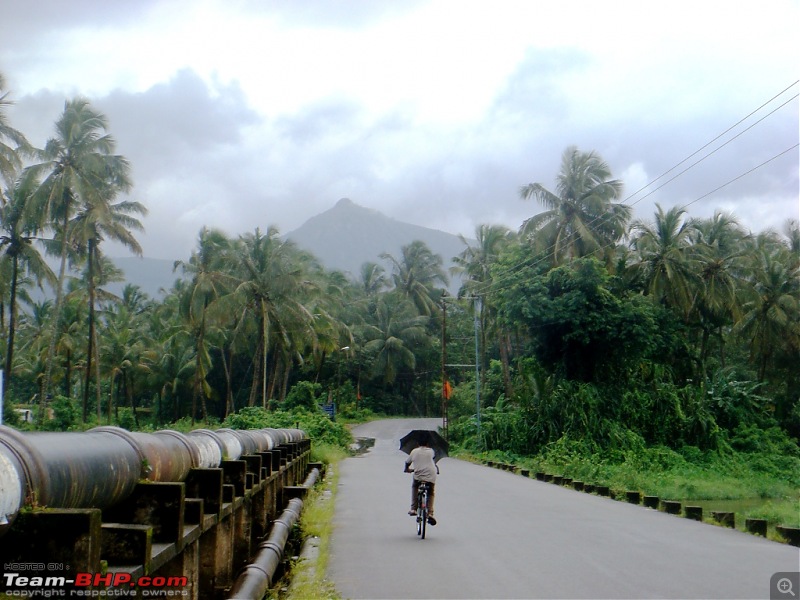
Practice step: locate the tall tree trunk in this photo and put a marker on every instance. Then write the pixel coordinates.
(68, 376)
(265, 341)
(111, 395)
(285, 384)
(97, 391)
(90, 344)
(251, 401)
(226, 368)
(272, 378)
(503, 343)
(128, 382)
(12, 319)
(56, 321)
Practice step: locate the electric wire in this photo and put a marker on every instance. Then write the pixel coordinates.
(536, 260)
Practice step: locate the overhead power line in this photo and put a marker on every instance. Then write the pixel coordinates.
(533, 261)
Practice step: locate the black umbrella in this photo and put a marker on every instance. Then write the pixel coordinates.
(415, 437)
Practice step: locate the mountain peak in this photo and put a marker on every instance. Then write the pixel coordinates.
(348, 235)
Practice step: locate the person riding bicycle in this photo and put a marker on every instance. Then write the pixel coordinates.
(425, 469)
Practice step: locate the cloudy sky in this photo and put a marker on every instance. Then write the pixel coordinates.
(237, 114)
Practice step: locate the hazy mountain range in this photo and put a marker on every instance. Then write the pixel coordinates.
(342, 238)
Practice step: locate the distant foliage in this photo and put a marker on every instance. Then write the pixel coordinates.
(316, 424)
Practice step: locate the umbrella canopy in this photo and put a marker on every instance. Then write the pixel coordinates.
(416, 436)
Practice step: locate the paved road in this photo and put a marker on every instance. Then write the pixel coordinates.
(501, 535)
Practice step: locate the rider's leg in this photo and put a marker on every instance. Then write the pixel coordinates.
(414, 492)
(431, 487)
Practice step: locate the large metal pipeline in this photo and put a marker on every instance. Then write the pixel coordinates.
(101, 467)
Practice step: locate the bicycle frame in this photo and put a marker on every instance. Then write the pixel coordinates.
(422, 508)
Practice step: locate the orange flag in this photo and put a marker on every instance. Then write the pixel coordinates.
(446, 390)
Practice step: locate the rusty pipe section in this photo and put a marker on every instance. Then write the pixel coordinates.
(100, 467)
(256, 578)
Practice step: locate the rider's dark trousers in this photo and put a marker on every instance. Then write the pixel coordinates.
(415, 490)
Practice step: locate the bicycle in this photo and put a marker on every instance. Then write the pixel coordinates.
(422, 508)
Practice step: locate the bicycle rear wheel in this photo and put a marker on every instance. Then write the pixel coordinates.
(423, 514)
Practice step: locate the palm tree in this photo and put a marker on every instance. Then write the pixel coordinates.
(273, 284)
(771, 318)
(721, 252)
(19, 227)
(78, 170)
(210, 281)
(127, 354)
(474, 264)
(416, 274)
(97, 221)
(10, 155)
(394, 336)
(373, 279)
(581, 218)
(666, 261)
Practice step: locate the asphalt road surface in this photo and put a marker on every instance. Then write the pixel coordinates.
(501, 535)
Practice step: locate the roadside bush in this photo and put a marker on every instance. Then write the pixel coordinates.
(65, 415)
(316, 424)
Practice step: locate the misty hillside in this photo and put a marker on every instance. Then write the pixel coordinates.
(150, 274)
(348, 235)
(342, 238)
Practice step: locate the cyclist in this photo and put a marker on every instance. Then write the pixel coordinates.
(425, 469)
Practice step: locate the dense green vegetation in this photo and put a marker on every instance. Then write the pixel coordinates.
(604, 344)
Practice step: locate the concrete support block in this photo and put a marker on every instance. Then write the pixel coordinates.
(64, 536)
(577, 485)
(160, 505)
(603, 490)
(235, 474)
(122, 544)
(671, 507)
(756, 526)
(694, 512)
(633, 497)
(724, 518)
(206, 485)
(790, 534)
(650, 501)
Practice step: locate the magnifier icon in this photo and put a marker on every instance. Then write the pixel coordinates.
(784, 586)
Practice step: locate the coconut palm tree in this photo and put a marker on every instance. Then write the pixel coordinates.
(99, 220)
(394, 336)
(19, 229)
(273, 283)
(210, 281)
(13, 145)
(668, 265)
(474, 265)
(771, 314)
(721, 253)
(78, 169)
(416, 273)
(581, 218)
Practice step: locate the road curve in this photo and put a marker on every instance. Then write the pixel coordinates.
(500, 535)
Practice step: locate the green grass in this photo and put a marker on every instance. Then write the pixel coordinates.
(308, 580)
(667, 475)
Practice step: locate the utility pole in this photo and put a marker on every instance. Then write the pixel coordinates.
(478, 370)
(444, 371)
